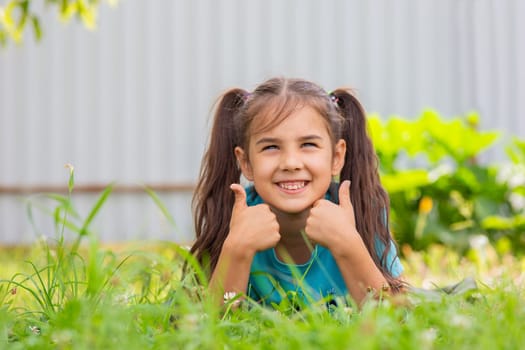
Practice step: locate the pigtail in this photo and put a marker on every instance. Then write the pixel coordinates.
(213, 199)
(369, 199)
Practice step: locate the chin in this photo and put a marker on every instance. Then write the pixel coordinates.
(293, 210)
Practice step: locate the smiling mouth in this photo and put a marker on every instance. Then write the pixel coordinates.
(292, 185)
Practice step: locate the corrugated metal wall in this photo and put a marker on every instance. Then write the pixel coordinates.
(130, 102)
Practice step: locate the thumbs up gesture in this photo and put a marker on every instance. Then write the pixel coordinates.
(252, 228)
(330, 224)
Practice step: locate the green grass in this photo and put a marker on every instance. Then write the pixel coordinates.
(96, 298)
(81, 295)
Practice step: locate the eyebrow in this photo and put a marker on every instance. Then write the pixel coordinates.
(276, 140)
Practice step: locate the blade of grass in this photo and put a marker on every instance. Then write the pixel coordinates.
(94, 211)
(46, 292)
(161, 206)
(193, 263)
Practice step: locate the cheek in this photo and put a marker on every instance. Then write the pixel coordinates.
(262, 169)
(259, 168)
(323, 168)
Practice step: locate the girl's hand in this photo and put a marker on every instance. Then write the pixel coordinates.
(253, 228)
(332, 225)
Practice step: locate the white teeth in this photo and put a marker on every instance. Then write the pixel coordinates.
(292, 185)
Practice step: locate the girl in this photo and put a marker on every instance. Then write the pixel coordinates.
(293, 230)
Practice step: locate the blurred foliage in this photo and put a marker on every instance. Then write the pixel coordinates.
(439, 190)
(17, 15)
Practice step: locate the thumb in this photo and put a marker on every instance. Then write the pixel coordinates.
(240, 196)
(344, 194)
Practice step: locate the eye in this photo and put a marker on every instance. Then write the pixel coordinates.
(309, 144)
(270, 147)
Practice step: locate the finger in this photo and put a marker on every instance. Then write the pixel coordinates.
(240, 196)
(344, 194)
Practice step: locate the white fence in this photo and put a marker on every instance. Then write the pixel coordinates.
(130, 102)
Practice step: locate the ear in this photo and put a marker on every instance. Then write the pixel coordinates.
(338, 160)
(242, 159)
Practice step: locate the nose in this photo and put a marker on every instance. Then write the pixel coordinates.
(290, 161)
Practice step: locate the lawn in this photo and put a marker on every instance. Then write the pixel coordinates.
(132, 297)
(83, 295)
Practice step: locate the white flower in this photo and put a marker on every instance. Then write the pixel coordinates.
(34, 329)
(228, 296)
(70, 167)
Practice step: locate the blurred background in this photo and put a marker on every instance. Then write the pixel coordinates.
(130, 102)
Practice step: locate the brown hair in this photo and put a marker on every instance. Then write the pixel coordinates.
(279, 97)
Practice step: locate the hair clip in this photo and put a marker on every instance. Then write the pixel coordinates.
(334, 98)
(246, 96)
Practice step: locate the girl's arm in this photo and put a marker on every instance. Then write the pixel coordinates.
(333, 226)
(358, 269)
(231, 273)
(251, 229)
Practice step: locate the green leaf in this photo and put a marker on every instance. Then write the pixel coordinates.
(87, 14)
(503, 223)
(3, 37)
(101, 200)
(161, 206)
(37, 29)
(405, 180)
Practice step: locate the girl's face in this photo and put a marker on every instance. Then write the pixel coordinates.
(292, 164)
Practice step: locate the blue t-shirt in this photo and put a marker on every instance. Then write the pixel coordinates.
(271, 280)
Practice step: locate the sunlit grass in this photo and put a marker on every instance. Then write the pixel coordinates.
(83, 295)
(146, 305)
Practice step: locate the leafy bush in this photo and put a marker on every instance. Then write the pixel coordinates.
(440, 192)
(17, 15)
